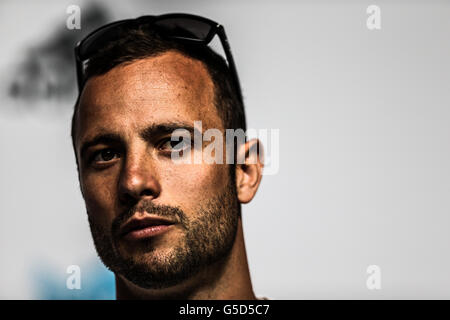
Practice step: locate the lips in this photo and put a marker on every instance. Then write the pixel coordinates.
(147, 227)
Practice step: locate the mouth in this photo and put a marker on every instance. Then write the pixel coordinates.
(148, 227)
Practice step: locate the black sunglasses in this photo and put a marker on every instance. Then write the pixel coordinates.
(178, 26)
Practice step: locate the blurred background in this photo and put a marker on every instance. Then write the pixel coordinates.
(364, 175)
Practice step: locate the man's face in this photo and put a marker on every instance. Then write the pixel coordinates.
(128, 173)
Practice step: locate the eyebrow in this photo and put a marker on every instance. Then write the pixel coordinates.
(165, 128)
(146, 134)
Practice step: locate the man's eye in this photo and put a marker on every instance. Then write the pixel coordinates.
(104, 155)
(174, 146)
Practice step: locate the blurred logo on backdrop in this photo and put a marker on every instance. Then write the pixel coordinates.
(88, 281)
(47, 71)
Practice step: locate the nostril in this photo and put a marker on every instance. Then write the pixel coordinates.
(128, 199)
(147, 192)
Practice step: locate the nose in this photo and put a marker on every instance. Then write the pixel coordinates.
(138, 179)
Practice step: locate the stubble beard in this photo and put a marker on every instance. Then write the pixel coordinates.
(208, 238)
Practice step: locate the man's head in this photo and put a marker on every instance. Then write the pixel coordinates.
(139, 90)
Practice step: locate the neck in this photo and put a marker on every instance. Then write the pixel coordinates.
(228, 279)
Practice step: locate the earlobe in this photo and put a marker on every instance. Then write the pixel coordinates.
(249, 173)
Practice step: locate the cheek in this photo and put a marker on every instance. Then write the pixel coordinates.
(189, 184)
(99, 199)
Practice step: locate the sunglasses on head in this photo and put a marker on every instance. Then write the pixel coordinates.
(177, 26)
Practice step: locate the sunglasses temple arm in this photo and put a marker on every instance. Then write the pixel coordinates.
(231, 64)
(79, 69)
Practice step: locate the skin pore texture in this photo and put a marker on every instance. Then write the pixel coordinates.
(128, 173)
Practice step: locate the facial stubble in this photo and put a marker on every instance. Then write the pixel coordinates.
(208, 238)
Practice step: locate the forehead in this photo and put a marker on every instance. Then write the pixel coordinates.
(166, 88)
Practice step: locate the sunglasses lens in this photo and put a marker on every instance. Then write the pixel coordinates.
(183, 28)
